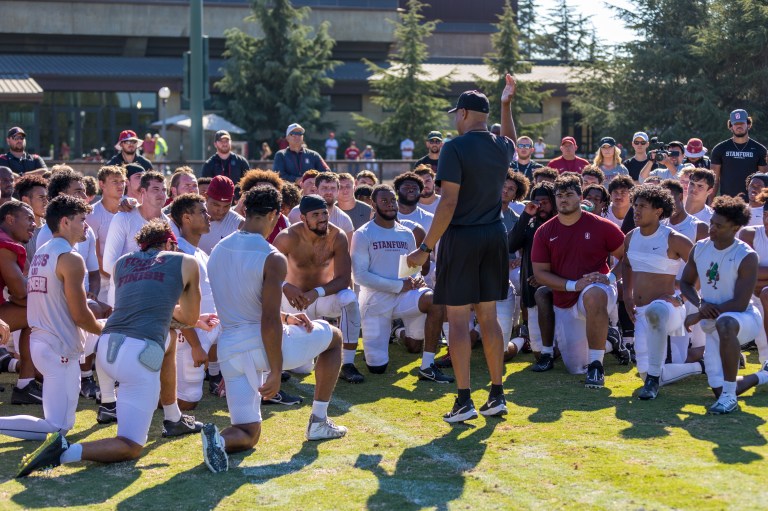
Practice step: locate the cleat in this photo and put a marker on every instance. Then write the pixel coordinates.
(631, 348)
(650, 389)
(545, 363)
(285, 376)
(89, 389)
(283, 398)
(724, 404)
(350, 374)
(32, 394)
(444, 362)
(107, 414)
(433, 373)
(5, 360)
(494, 407)
(764, 368)
(396, 324)
(214, 454)
(620, 350)
(216, 385)
(323, 429)
(184, 426)
(45, 457)
(595, 375)
(461, 413)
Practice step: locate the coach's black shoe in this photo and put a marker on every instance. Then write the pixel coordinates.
(89, 389)
(285, 376)
(595, 375)
(184, 426)
(650, 389)
(107, 413)
(5, 360)
(544, 363)
(214, 455)
(461, 413)
(282, 398)
(32, 394)
(350, 374)
(619, 349)
(433, 373)
(44, 457)
(495, 406)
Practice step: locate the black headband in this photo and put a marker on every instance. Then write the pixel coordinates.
(311, 203)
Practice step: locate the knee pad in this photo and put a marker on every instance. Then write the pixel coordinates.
(346, 297)
(377, 369)
(657, 315)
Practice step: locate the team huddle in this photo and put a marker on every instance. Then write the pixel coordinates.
(238, 283)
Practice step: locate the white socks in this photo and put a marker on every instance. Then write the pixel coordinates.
(596, 355)
(427, 359)
(547, 350)
(320, 409)
(171, 412)
(348, 356)
(72, 455)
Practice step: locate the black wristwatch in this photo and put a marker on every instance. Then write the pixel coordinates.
(424, 248)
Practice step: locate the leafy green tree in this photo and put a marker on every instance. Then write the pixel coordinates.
(417, 104)
(276, 80)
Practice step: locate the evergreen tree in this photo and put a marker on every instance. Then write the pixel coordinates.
(568, 36)
(526, 23)
(417, 105)
(276, 80)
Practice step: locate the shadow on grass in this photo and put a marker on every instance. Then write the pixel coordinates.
(430, 475)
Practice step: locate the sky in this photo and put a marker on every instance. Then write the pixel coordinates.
(609, 28)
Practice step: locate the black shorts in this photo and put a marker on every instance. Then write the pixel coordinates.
(472, 265)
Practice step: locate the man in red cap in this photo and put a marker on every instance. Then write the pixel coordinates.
(128, 142)
(224, 220)
(17, 159)
(696, 154)
(568, 162)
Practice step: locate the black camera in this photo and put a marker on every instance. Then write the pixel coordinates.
(662, 149)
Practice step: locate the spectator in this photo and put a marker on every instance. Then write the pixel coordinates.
(568, 161)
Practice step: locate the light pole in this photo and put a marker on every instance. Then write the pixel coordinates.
(164, 93)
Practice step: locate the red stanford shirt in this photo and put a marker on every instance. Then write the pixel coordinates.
(575, 250)
(562, 165)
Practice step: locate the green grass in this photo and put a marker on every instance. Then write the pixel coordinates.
(561, 447)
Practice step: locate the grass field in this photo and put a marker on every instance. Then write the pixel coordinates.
(561, 447)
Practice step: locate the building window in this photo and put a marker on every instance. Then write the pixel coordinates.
(346, 103)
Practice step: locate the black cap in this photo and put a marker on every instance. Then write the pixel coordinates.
(311, 203)
(607, 140)
(472, 100)
(133, 168)
(16, 131)
(221, 134)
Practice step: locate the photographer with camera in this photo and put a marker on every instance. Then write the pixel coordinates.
(640, 160)
(670, 158)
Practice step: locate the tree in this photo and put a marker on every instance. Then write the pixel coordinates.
(417, 104)
(526, 23)
(506, 59)
(276, 80)
(569, 35)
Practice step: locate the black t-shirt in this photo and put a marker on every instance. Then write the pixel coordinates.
(26, 163)
(233, 167)
(737, 161)
(478, 161)
(527, 169)
(426, 160)
(634, 167)
(139, 159)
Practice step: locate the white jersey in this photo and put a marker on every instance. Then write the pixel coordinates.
(420, 216)
(121, 238)
(335, 215)
(718, 269)
(376, 255)
(761, 245)
(613, 218)
(757, 216)
(705, 215)
(648, 254)
(688, 227)
(99, 219)
(236, 271)
(430, 208)
(220, 229)
(86, 249)
(47, 311)
(207, 305)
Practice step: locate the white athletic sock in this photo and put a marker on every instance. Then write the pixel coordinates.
(23, 382)
(596, 355)
(427, 359)
(547, 350)
(171, 412)
(320, 409)
(518, 342)
(86, 374)
(348, 356)
(729, 388)
(13, 366)
(671, 373)
(72, 455)
(608, 347)
(762, 377)
(213, 368)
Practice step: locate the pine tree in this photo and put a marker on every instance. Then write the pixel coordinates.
(526, 23)
(417, 104)
(568, 36)
(276, 80)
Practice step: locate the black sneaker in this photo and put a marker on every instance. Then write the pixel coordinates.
(107, 413)
(349, 373)
(285, 376)
(32, 394)
(184, 426)
(214, 454)
(595, 375)
(216, 385)
(631, 347)
(432, 373)
(495, 407)
(283, 398)
(461, 413)
(545, 362)
(619, 349)
(5, 360)
(650, 389)
(444, 362)
(44, 457)
(89, 389)
(396, 324)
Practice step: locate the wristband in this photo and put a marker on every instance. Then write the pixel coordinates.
(285, 283)
(570, 285)
(611, 278)
(320, 291)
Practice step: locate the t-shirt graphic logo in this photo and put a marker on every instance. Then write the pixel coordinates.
(587, 235)
(713, 275)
